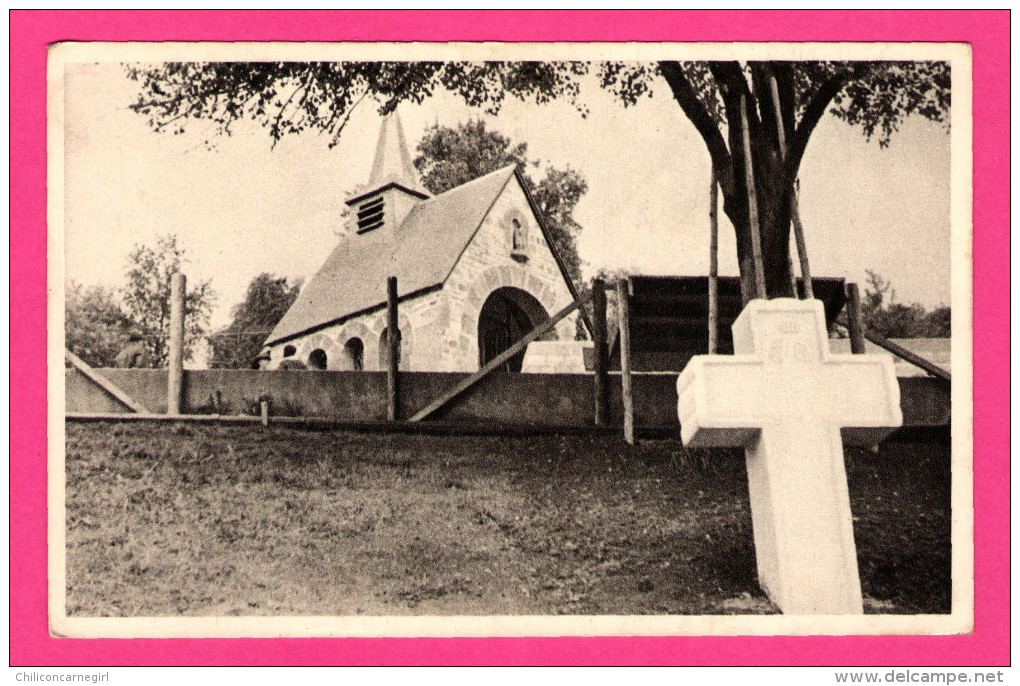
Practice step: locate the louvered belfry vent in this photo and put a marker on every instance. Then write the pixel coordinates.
(370, 215)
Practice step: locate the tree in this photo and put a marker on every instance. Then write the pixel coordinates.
(717, 97)
(875, 96)
(267, 300)
(449, 157)
(939, 322)
(95, 327)
(895, 320)
(146, 297)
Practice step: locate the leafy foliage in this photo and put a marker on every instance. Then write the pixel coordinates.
(448, 157)
(781, 103)
(146, 297)
(95, 327)
(266, 301)
(290, 97)
(876, 96)
(556, 196)
(895, 320)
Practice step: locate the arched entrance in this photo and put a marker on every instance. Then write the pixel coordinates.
(507, 316)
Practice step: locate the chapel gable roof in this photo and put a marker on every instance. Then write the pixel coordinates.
(421, 253)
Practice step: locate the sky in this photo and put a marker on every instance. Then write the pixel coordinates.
(246, 207)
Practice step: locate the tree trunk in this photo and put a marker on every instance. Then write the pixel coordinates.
(772, 187)
(774, 224)
(772, 87)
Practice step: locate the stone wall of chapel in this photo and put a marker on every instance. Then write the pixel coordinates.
(421, 323)
(488, 263)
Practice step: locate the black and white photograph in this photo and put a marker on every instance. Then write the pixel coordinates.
(507, 339)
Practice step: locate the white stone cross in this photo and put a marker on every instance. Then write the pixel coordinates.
(787, 400)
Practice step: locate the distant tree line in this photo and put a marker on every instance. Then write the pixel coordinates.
(100, 322)
(95, 326)
(268, 298)
(884, 316)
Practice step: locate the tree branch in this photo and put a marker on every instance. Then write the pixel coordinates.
(347, 116)
(688, 100)
(274, 130)
(783, 71)
(730, 78)
(813, 113)
(731, 81)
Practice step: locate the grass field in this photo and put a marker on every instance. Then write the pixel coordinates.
(218, 520)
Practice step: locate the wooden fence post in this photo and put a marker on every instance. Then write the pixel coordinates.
(752, 204)
(393, 349)
(855, 325)
(798, 228)
(798, 233)
(175, 366)
(623, 312)
(598, 305)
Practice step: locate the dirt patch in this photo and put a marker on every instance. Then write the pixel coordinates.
(210, 520)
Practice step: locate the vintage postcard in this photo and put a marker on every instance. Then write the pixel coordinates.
(509, 339)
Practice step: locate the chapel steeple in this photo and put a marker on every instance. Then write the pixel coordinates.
(394, 186)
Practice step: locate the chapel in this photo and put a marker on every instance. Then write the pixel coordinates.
(475, 269)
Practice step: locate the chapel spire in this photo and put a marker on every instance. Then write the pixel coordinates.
(392, 163)
(393, 188)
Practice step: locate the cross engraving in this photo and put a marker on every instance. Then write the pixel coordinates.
(791, 404)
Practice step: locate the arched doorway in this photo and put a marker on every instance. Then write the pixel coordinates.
(507, 316)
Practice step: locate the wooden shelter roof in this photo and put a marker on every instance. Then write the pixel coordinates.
(669, 317)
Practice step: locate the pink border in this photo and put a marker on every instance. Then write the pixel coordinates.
(987, 32)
